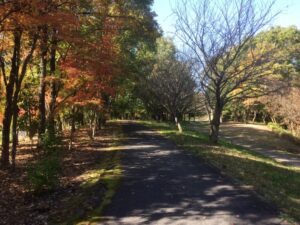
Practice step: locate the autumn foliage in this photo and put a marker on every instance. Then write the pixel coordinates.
(70, 53)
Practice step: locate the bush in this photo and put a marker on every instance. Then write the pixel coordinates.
(276, 127)
(50, 142)
(281, 132)
(44, 173)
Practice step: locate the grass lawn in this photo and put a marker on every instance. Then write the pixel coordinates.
(277, 183)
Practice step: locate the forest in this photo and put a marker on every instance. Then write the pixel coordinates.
(72, 69)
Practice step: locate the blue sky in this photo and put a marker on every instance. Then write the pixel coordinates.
(290, 14)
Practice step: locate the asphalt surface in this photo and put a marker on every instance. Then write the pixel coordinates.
(165, 185)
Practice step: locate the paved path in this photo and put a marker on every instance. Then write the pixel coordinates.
(258, 138)
(164, 185)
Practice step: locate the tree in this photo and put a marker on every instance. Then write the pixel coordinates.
(26, 26)
(16, 28)
(75, 53)
(281, 106)
(57, 21)
(219, 36)
(171, 85)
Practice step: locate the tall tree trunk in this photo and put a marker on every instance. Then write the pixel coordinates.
(8, 111)
(12, 97)
(15, 112)
(31, 130)
(6, 130)
(15, 109)
(14, 135)
(73, 128)
(54, 86)
(18, 82)
(42, 86)
(95, 118)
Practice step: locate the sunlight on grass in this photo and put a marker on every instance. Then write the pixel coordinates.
(109, 173)
(278, 183)
(111, 179)
(101, 181)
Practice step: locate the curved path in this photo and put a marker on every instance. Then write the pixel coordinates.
(164, 185)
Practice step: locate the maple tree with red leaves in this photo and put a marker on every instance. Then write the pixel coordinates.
(75, 51)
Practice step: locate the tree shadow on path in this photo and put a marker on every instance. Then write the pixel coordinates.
(164, 185)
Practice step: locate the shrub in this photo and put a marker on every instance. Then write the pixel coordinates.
(44, 173)
(50, 142)
(281, 132)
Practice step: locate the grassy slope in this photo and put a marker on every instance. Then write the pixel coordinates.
(277, 183)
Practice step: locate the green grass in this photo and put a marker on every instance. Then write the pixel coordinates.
(276, 128)
(101, 181)
(277, 183)
(110, 173)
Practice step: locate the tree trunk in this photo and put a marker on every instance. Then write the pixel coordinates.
(264, 116)
(73, 128)
(8, 111)
(5, 134)
(15, 109)
(53, 85)
(94, 129)
(215, 122)
(254, 117)
(15, 112)
(14, 135)
(6, 127)
(92, 125)
(245, 119)
(178, 124)
(42, 86)
(31, 130)
(59, 124)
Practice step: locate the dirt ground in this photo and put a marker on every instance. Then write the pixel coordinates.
(19, 205)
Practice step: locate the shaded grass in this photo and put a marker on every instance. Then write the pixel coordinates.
(97, 187)
(276, 182)
(108, 174)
